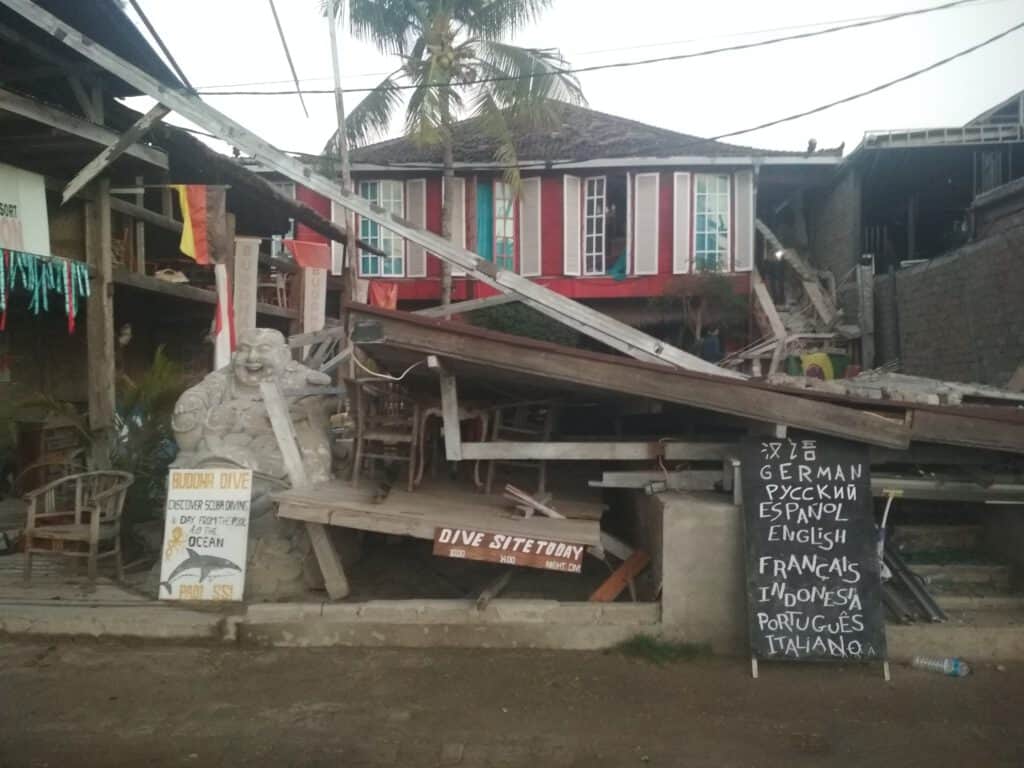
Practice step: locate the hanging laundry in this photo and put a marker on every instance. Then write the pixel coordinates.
(383, 295)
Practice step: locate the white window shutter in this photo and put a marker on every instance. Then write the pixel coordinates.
(629, 223)
(571, 220)
(457, 201)
(680, 223)
(645, 252)
(743, 227)
(416, 213)
(529, 227)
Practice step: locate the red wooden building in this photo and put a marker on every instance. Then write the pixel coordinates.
(610, 211)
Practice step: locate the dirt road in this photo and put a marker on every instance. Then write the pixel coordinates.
(74, 704)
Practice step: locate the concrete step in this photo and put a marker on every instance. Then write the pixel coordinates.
(964, 579)
(913, 539)
(977, 636)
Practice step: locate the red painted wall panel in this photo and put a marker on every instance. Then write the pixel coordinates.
(551, 227)
(318, 203)
(434, 221)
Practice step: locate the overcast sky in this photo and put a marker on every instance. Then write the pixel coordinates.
(229, 42)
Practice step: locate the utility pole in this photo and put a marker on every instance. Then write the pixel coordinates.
(349, 262)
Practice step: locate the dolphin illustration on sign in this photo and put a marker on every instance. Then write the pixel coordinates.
(205, 564)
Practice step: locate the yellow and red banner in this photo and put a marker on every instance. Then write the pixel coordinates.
(204, 222)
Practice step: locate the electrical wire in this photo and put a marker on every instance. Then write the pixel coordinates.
(288, 55)
(612, 65)
(593, 51)
(387, 376)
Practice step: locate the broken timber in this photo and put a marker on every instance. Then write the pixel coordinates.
(280, 421)
(595, 324)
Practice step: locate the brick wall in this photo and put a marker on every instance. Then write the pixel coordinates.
(958, 317)
(834, 229)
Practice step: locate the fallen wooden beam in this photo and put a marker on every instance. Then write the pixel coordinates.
(124, 142)
(683, 480)
(493, 589)
(606, 451)
(77, 126)
(280, 421)
(621, 578)
(449, 410)
(584, 319)
(466, 306)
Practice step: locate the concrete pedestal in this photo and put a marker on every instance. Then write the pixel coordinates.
(701, 567)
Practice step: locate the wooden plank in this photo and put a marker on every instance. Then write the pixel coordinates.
(607, 373)
(620, 579)
(449, 411)
(934, 426)
(189, 292)
(467, 306)
(246, 282)
(305, 339)
(331, 567)
(591, 322)
(337, 360)
(139, 213)
(590, 451)
(493, 589)
(419, 514)
(65, 121)
(685, 480)
(96, 166)
(102, 373)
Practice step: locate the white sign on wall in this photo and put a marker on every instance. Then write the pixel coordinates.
(206, 531)
(24, 224)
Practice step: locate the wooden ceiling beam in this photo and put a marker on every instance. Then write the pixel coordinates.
(77, 126)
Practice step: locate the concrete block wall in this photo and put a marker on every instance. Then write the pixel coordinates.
(959, 317)
(834, 224)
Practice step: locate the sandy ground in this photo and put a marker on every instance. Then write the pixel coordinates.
(73, 704)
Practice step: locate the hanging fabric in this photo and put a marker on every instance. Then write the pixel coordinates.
(40, 276)
(204, 221)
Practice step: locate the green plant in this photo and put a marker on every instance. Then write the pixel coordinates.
(454, 59)
(520, 320)
(143, 443)
(703, 301)
(661, 652)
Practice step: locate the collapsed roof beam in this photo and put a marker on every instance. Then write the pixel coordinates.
(595, 324)
(99, 163)
(65, 121)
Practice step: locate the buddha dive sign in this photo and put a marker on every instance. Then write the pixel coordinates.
(813, 583)
(206, 532)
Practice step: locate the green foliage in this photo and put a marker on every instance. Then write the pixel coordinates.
(144, 441)
(661, 652)
(443, 44)
(520, 320)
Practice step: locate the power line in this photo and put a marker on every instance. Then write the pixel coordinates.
(595, 51)
(619, 64)
(288, 55)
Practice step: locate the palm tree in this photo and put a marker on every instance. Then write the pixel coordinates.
(454, 61)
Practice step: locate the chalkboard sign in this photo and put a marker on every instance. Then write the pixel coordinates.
(813, 585)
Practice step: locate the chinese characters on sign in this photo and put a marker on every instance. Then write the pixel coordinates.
(813, 585)
(525, 551)
(205, 534)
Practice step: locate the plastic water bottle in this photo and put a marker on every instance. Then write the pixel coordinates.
(949, 666)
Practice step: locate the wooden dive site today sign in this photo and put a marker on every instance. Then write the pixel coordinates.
(813, 583)
(508, 549)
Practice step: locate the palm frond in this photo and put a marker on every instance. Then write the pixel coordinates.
(391, 25)
(534, 76)
(371, 117)
(496, 19)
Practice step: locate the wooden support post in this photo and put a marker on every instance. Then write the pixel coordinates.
(246, 281)
(102, 373)
(140, 229)
(866, 319)
(449, 411)
(280, 421)
(312, 312)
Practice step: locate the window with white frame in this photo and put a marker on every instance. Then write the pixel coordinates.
(594, 226)
(504, 226)
(390, 195)
(711, 214)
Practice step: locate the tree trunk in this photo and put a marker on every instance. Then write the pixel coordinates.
(446, 208)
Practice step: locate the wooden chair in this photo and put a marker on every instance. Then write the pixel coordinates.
(387, 426)
(76, 516)
(534, 421)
